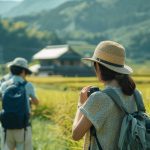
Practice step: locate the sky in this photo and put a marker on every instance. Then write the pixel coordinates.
(12, 0)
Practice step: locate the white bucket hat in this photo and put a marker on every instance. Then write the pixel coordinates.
(111, 55)
(20, 62)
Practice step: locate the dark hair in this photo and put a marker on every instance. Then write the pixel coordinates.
(126, 83)
(16, 70)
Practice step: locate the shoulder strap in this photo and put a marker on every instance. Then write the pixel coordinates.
(139, 101)
(22, 83)
(116, 99)
(93, 132)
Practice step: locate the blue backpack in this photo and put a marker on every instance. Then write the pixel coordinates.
(15, 110)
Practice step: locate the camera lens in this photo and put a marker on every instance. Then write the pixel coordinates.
(92, 90)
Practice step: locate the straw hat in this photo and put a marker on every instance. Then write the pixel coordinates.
(111, 55)
(20, 62)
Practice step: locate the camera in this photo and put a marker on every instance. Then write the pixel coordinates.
(92, 90)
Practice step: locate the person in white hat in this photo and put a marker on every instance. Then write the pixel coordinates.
(8, 65)
(15, 62)
(98, 109)
(14, 138)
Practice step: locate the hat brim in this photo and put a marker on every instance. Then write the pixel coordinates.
(28, 71)
(123, 70)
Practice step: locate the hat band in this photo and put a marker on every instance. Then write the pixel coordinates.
(109, 63)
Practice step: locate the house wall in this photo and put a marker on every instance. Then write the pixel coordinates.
(68, 70)
(69, 64)
(55, 62)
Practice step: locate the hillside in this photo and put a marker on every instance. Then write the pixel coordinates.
(28, 7)
(93, 16)
(91, 21)
(135, 38)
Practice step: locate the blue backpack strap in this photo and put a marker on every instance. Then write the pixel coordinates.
(22, 83)
(116, 99)
(139, 101)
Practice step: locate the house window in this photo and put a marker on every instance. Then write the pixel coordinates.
(76, 63)
(56, 62)
(66, 63)
(81, 64)
(71, 63)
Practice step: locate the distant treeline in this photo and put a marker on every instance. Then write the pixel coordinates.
(17, 39)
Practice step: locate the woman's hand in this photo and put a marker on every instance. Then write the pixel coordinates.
(83, 95)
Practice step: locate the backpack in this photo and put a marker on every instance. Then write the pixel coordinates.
(135, 128)
(15, 111)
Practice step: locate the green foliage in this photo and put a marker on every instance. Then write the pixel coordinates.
(94, 16)
(52, 120)
(54, 132)
(92, 21)
(20, 40)
(45, 135)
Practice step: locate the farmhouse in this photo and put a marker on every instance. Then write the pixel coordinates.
(61, 60)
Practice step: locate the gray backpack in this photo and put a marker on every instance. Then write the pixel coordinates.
(135, 128)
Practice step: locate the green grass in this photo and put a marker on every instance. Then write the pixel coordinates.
(60, 107)
(53, 118)
(45, 135)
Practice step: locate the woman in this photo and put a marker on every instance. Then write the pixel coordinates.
(98, 109)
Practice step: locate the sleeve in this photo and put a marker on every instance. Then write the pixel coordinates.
(30, 90)
(2, 88)
(97, 109)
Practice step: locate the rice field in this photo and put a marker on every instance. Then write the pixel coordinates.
(52, 119)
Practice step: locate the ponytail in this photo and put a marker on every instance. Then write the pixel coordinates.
(126, 83)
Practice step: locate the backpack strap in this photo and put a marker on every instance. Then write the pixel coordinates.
(139, 101)
(22, 83)
(116, 99)
(93, 133)
(25, 129)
